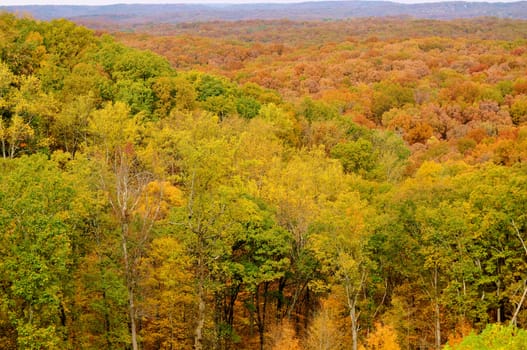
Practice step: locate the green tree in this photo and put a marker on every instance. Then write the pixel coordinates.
(314, 110)
(247, 107)
(388, 95)
(355, 156)
(260, 256)
(38, 233)
(494, 336)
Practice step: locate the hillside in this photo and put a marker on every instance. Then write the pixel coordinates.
(127, 16)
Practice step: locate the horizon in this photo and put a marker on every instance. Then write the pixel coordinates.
(205, 2)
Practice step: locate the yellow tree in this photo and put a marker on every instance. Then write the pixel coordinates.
(168, 291)
(326, 331)
(15, 136)
(197, 147)
(114, 133)
(298, 188)
(383, 337)
(339, 239)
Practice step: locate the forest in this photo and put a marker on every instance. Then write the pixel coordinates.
(277, 185)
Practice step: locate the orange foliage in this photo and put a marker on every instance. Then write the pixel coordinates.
(383, 337)
(461, 330)
(283, 337)
(158, 198)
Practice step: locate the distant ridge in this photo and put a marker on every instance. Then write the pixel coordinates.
(134, 14)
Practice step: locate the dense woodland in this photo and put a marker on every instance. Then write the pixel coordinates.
(276, 191)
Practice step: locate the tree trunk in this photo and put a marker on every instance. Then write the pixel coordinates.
(260, 318)
(354, 328)
(12, 150)
(436, 310)
(198, 333)
(280, 298)
(520, 304)
(498, 309)
(107, 322)
(438, 327)
(129, 286)
(518, 308)
(133, 329)
(354, 317)
(264, 313)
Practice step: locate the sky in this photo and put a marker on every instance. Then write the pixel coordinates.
(108, 2)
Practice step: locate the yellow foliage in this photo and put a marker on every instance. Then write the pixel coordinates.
(327, 330)
(113, 126)
(284, 337)
(383, 337)
(168, 295)
(461, 330)
(158, 197)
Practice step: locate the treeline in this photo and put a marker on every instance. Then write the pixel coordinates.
(316, 32)
(143, 207)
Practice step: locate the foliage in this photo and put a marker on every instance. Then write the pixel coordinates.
(365, 193)
(493, 337)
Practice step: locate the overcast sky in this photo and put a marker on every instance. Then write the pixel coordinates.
(108, 2)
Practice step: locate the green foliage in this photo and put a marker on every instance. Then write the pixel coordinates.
(314, 110)
(261, 248)
(247, 107)
(66, 41)
(136, 65)
(388, 95)
(37, 240)
(355, 156)
(136, 94)
(493, 337)
(220, 105)
(208, 86)
(519, 110)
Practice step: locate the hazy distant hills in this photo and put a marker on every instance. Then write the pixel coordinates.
(177, 13)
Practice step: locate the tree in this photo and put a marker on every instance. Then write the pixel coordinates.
(388, 95)
(247, 107)
(125, 181)
(355, 156)
(71, 125)
(173, 92)
(298, 189)
(14, 136)
(339, 244)
(383, 338)
(169, 298)
(260, 258)
(38, 235)
(326, 329)
(518, 110)
(494, 336)
(203, 225)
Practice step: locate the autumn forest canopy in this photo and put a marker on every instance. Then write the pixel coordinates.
(337, 184)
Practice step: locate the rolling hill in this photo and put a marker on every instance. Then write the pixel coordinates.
(136, 14)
